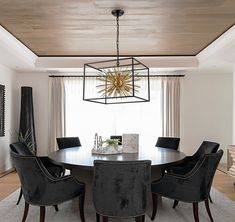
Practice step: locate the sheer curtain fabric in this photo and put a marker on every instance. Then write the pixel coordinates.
(57, 111)
(170, 106)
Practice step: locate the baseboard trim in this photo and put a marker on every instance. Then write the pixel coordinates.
(2, 174)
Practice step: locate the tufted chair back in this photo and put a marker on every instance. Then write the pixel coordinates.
(168, 142)
(121, 188)
(205, 148)
(67, 142)
(21, 148)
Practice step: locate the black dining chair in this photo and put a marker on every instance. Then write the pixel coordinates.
(67, 142)
(52, 168)
(168, 142)
(42, 189)
(192, 187)
(121, 188)
(189, 162)
(119, 138)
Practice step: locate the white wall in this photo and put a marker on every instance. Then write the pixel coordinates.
(233, 105)
(39, 83)
(7, 78)
(206, 109)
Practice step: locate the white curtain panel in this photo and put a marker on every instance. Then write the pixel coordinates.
(170, 106)
(57, 111)
(71, 116)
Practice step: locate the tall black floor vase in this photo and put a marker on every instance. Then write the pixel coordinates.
(27, 129)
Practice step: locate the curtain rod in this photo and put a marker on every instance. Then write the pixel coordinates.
(81, 76)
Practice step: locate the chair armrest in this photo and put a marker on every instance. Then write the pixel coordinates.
(55, 179)
(47, 173)
(190, 174)
(58, 189)
(47, 162)
(54, 169)
(184, 161)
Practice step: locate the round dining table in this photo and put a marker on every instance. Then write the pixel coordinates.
(79, 160)
(82, 157)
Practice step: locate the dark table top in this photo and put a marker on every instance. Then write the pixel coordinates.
(82, 157)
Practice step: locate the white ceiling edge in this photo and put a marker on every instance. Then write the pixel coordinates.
(13, 53)
(63, 63)
(225, 42)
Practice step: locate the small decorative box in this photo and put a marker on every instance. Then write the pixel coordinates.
(130, 143)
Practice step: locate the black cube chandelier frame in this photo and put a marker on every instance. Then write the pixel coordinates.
(118, 78)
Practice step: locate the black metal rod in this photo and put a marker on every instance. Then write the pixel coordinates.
(148, 85)
(140, 63)
(117, 40)
(111, 60)
(133, 77)
(83, 94)
(91, 67)
(135, 69)
(94, 76)
(96, 100)
(106, 67)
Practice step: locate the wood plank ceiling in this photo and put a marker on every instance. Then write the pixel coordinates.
(87, 28)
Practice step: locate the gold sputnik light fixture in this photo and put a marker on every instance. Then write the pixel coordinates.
(117, 82)
(121, 80)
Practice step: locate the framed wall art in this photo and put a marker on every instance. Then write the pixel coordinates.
(2, 110)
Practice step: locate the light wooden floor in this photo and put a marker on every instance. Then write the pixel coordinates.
(8, 184)
(225, 184)
(222, 182)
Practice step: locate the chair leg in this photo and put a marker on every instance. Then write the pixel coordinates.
(20, 196)
(138, 219)
(195, 212)
(97, 217)
(42, 213)
(154, 198)
(56, 208)
(26, 209)
(143, 218)
(175, 203)
(163, 171)
(81, 207)
(208, 210)
(210, 198)
(105, 219)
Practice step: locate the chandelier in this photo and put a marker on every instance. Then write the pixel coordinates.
(120, 80)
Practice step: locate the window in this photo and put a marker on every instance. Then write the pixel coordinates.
(84, 119)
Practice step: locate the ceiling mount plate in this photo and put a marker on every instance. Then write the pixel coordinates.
(117, 12)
